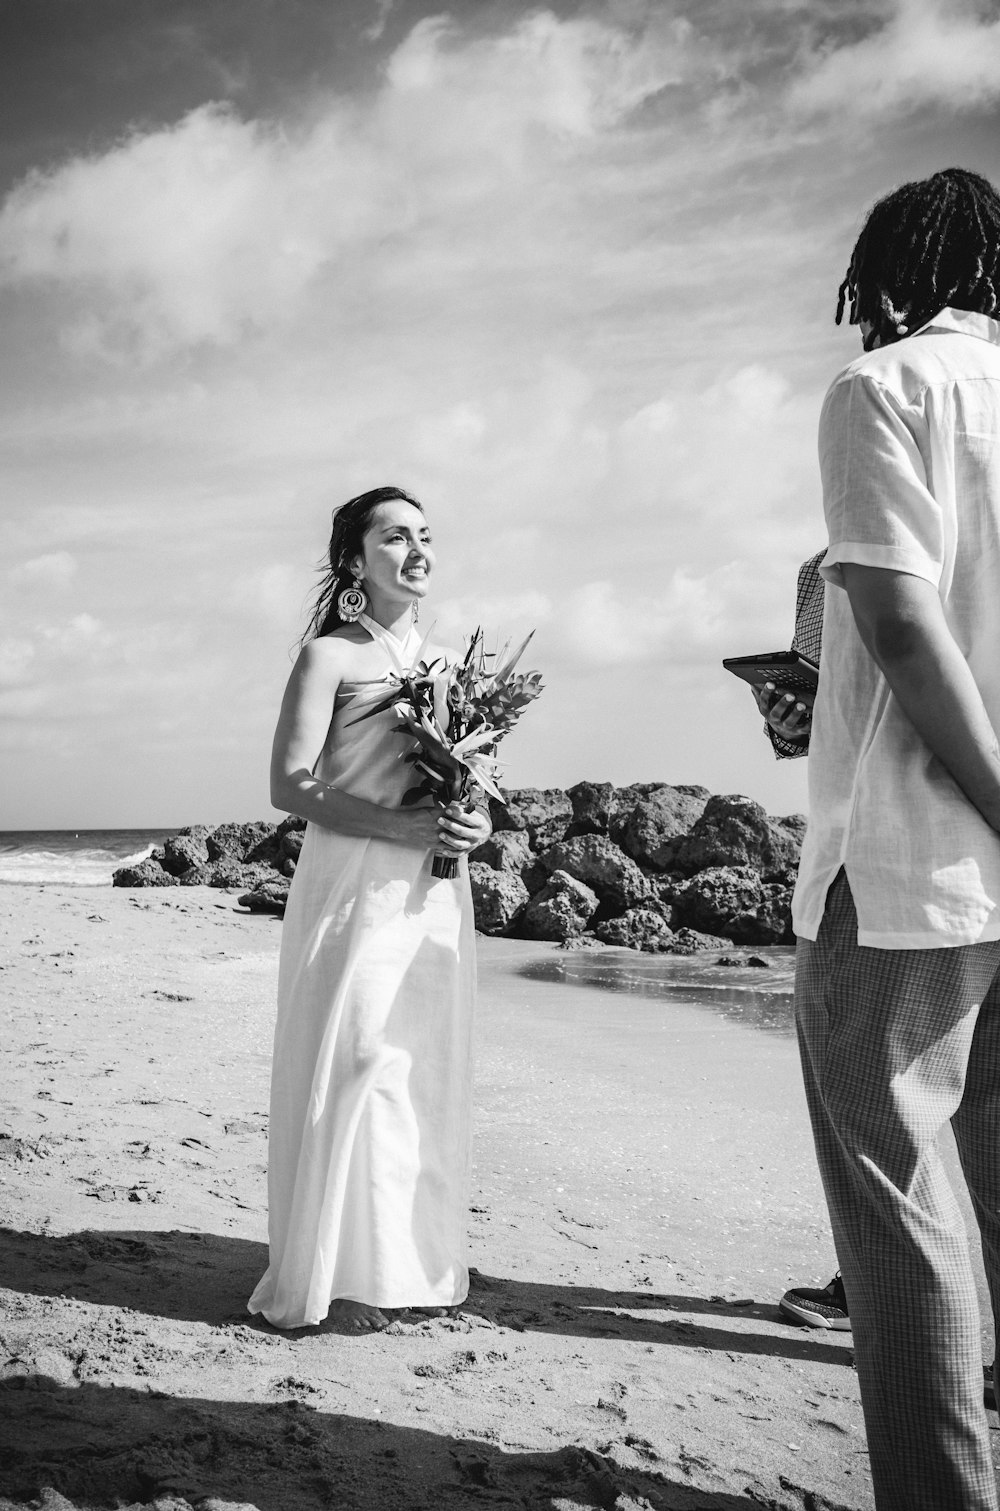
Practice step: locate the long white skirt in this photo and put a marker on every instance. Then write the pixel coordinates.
(369, 1144)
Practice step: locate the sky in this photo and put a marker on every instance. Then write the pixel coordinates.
(567, 273)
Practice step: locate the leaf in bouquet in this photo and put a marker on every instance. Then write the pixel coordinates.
(474, 642)
(414, 795)
(438, 749)
(480, 768)
(425, 642)
(474, 742)
(504, 671)
(380, 707)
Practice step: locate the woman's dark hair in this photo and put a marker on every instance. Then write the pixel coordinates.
(929, 243)
(350, 523)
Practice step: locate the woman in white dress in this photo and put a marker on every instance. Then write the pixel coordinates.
(369, 1138)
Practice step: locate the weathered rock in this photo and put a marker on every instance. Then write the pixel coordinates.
(543, 813)
(194, 831)
(509, 850)
(791, 829)
(734, 831)
(144, 873)
(561, 910)
(291, 843)
(498, 897)
(288, 866)
(693, 942)
(652, 827)
(198, 876)
(601, 865)
(593, 806)
(770, 922)
(229, 873)
(182, 852)
(242, 841)
(268, 897)
(733, 901)
(713, 900)
(662, 891)
(638, 929)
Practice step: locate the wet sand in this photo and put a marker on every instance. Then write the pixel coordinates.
(644, 1190)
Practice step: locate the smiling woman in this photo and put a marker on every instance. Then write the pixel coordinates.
(370, 1093)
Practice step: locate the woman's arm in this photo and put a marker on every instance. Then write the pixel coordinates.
(303, 723)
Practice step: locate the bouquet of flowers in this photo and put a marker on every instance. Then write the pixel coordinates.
(458, 715)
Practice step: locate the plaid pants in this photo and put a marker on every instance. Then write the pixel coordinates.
(894, 1043)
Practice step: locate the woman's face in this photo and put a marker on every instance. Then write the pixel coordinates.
(397, 552)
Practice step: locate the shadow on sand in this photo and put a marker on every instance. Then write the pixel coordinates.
(206, 1277)
(104, 1447)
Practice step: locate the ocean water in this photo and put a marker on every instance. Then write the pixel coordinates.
(76, 858)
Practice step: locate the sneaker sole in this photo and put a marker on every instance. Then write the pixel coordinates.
(813, 1316)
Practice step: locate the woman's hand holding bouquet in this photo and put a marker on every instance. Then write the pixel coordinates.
(458, 714)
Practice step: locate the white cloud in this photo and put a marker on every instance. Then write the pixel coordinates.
(276, 592)
(16, 658)
(56, 569)
(567, 280)
(607, 625)
(373, 31)
(216, 226)
(928, 52)
(199, 230)
(500, 616)
(575, 76)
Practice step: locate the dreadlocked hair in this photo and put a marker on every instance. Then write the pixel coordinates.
(930, 243)
(350, 524)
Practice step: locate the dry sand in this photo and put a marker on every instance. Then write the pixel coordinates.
(644, 1190)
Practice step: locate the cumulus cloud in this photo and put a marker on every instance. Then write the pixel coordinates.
(198, 230)
(565, 277)
(927, 52)
(509, 615)
(45, 670)
(606, 625)
(217, 226)
(55, 569)
(574, 76)
(373, 31)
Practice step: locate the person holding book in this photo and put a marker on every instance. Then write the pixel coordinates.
(897, 903)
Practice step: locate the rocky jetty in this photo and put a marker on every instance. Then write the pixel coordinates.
(652, 867)
(257, 859)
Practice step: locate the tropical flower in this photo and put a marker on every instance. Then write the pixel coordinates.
(458, 714)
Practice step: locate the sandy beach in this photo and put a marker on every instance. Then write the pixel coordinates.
(643, 1192)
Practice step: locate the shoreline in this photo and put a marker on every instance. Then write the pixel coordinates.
(643, 1191)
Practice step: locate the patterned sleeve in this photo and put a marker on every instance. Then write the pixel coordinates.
(807, 640)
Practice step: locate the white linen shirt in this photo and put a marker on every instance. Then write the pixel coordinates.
(909, 444)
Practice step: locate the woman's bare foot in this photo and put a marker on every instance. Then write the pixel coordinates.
(358, 1316)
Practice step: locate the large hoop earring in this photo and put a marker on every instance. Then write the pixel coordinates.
(352, 602)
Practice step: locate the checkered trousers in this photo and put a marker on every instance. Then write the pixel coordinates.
(894, 1043)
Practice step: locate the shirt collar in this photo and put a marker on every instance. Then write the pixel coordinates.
(965, 322)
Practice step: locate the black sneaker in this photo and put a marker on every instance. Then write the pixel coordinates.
(826, 1307)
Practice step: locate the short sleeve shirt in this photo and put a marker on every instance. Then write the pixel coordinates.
(910, 461)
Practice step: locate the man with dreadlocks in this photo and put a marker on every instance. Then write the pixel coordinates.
(897, 906)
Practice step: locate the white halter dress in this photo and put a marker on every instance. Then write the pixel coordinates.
(369, 1143)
